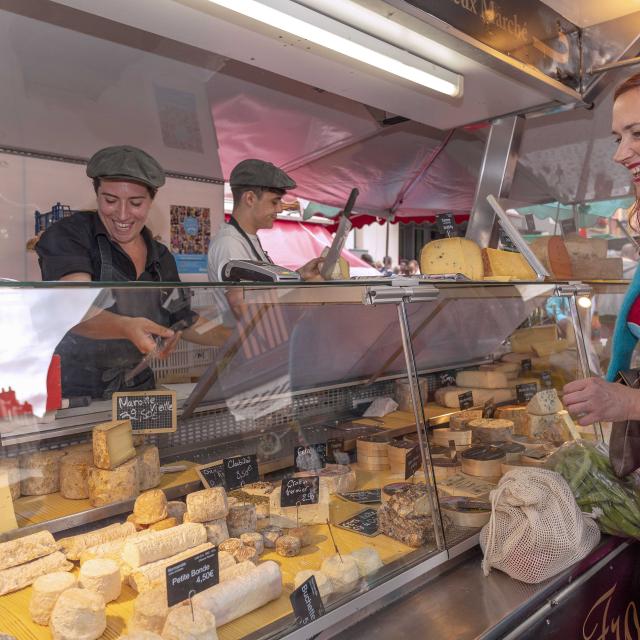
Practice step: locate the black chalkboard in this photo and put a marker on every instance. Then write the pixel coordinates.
(545, 378)
(526, 391)
(149, 411)
(306, 602)
(212, 475)
(240, 470)
(310, 457)
(526, 365)
(447, 378)
(296, 492)
(506, 242)
(446, 224)
(334, 445)
(568, 226)
(530, 220)
(412, 462)
(192, 575)
(365, 496)
(365, 523)
(466, 400)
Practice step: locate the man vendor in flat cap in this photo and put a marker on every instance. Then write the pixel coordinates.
(114, 245)
(257, 187)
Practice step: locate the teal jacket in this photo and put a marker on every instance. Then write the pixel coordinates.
(624, 341)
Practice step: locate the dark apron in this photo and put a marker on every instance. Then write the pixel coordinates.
(97, 368)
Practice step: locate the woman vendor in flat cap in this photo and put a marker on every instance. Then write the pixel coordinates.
(114, 245)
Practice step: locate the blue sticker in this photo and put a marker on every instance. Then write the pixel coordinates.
(191, 226)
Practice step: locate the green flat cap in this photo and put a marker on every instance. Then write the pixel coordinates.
(258, 173)
(126, 163)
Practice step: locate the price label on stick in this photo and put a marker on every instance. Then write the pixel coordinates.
(296, 492)
(568, 226)
(446, 224)
(310, 457)
(191, 576)
(240, 470)
(306, 602)
(466, 400)
(526, 391)
(412, 462)
(507, 242)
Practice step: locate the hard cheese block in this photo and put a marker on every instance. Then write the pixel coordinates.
(545, 403)
(552, 252)
(506, 263)
(557, 427)
(449, 396)
(452, 255)
(597, 268)
(482, 379)
(112, 444)
(586, 248)
(109, 486)
(523, 340)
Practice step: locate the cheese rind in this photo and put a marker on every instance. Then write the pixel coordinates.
(253, 539)
(288, 546)
(325, 586)
(149, 474)
(242, 518)
(74, 475)
(112, 444)
(150, 507)
(367, 559)
(552, 252)
(73, 546)
(217, 531)
(101, 575)
(23, 575)
(40, 473)
(189, 623)
(176, 509)
(449, 396)
(207, 505)
(78, 614)
(116, 485)
(545, 403)
(27, 548)
(450, 256)
(44, 593)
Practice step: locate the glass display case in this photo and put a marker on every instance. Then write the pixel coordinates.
(354, 430)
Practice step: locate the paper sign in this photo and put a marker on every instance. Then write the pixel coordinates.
(149, 411)
(191, 576)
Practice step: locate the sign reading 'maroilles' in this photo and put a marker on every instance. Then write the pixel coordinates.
(240, 470)
(149, 411)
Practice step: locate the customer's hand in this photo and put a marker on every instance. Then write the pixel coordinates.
(594, 399)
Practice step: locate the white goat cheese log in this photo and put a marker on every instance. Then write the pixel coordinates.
(23, 575)
(232, 599)
(27, 548)
(73, 546)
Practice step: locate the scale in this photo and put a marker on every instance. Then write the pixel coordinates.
(255, 271)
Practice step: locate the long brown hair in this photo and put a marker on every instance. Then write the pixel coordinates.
(633, 82)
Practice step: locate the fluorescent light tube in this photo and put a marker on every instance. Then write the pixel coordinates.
(391, 61)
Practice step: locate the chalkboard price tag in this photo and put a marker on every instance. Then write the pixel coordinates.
(296, 492)
(310, 456)
(568, 226)
(212, 474)
(240, 470)
(507, 242)
(365, 496)
(447, 378)
(526, 391)
(306, 602)
(526, 365)
(412, 462)
(334, 445)
(192, 575)
(149, 411)
(531, 223)
(446, 224)
(466, 400)
(545, 378)
(365, 523)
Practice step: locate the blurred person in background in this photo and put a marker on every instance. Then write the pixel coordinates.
(387, 267)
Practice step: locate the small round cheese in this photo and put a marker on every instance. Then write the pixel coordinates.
(322, 580)
(254, 540)
(270, 535)
(217, 531)
(231, 545)
(190, 623)
(150, 611)
(303, 533)
(150, 507)
(367, 559)
(45, 591)
(246, 553)
(102, 576)
(343, 572)
(79, 614)
(242, 518)
(288, 546)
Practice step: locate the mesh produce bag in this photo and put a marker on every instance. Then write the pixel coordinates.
(614, 502)
(536, 528)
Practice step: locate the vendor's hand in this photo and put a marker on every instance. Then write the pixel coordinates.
(595, 399)
(169, 345)
(311, 271)
(142, 332)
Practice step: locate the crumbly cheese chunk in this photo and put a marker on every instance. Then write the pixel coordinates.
(112, 444)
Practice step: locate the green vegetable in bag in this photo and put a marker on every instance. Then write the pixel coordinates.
(615, 503)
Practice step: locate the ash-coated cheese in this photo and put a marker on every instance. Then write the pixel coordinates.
(150, 507)
(23, 575)
(109, 486)
(288, 546)
(207, 505)
(253, 539)
(217, 531)
(74, 475)
(101, 575)
(150, 611)
(79, 614)
(40, 473)
(342, 571)
(270, 535)
(27, 548)
(233, 599)
(73, 546)
(12, 468)
(176, 509)
(187, 623)
(367, 559)
(149, 474)
(112, 444)
(242, 518)
(325, 586)
(303, 533)
(450, 256)
(163, 544)
(44, 593)
(482, 379)
(544, 403)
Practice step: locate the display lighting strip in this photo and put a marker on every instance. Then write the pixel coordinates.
(435, 78)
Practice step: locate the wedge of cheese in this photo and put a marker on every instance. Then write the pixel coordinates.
(112, 444)
(545, 403)
(586, 248)
(506, 263)
(552, 252)
(449, 396)
(597, 268)
(452, 255)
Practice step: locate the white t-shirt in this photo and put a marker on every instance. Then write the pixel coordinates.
(228, 244)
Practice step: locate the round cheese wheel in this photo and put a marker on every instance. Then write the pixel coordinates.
(270, 535)
(109, 486)
(288, 546)
(193, 623)
(45, 591)
(74, 474)
(303, 533)
(78, 614)
(245, 553)
(253, 539)
(445, 467)
(367, 559)
(101, 575)
(460, 437)
(512, 450)
(342, 571)
(465, 512)
(231, 545)
(40, 473)
(460, 419)
(483, 461)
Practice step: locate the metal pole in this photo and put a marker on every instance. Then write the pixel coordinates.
(416, 401)
(618, 64)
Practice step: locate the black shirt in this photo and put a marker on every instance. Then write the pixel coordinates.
(71, 246)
